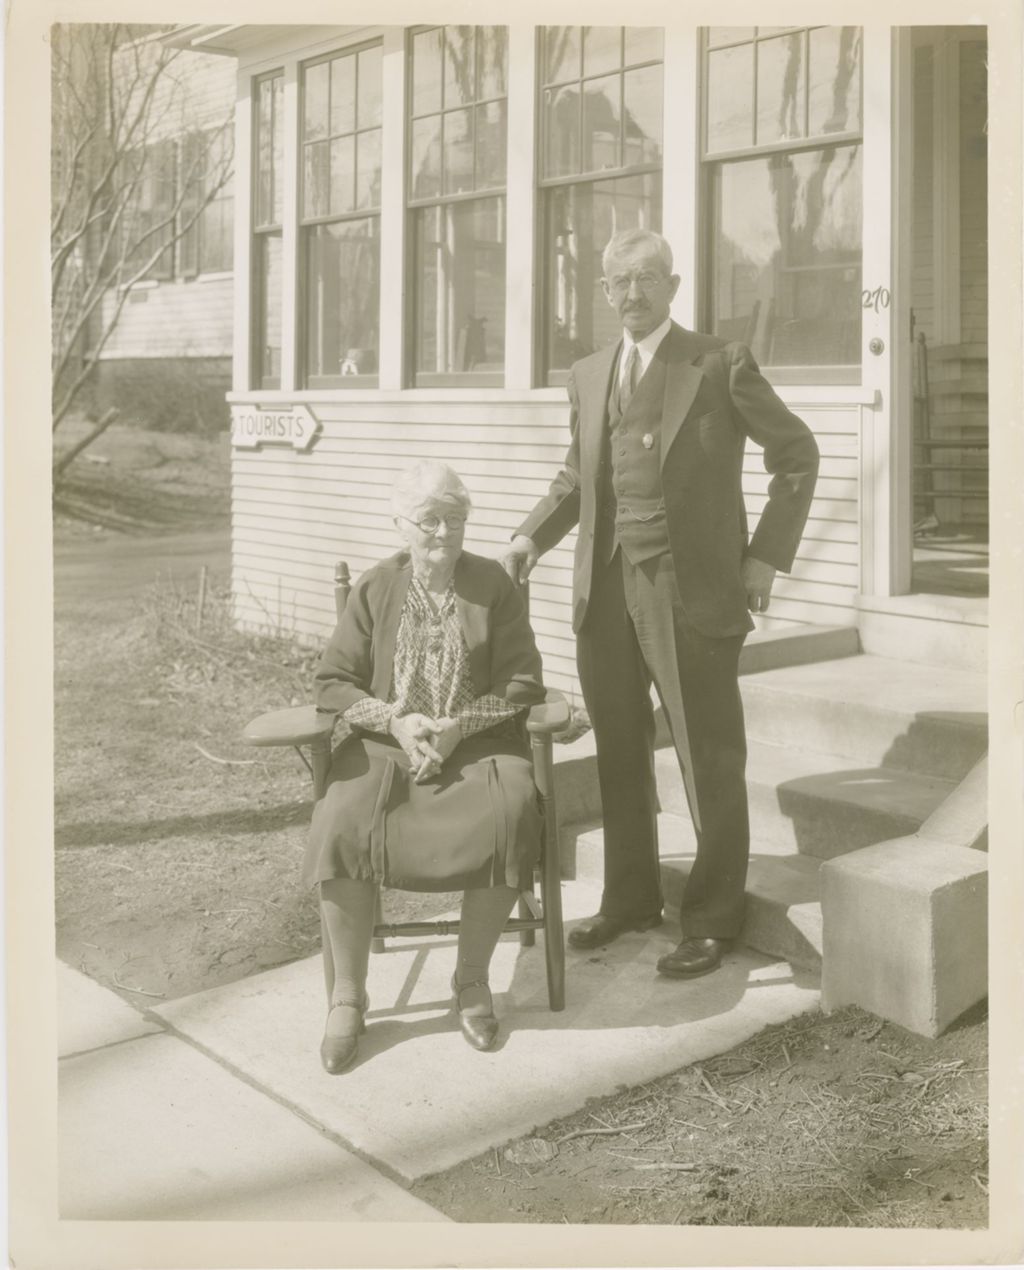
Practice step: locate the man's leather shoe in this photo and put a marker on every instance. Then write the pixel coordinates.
(694, 956)
(592, 932)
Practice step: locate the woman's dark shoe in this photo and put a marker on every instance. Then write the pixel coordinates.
(337, 1051)
(480, 1030)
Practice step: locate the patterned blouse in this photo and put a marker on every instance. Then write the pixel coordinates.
(431, 671)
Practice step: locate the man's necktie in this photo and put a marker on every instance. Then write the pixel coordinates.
(630, 378)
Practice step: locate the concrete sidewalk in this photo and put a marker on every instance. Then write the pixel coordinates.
(215, 1105)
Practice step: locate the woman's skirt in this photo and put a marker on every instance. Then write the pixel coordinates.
(475, 824)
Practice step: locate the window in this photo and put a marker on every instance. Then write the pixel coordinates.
(149, 174)
(268, 171)
(458, 135)
(601, 145)
(205, 245)
(340, 176)
(782, 152)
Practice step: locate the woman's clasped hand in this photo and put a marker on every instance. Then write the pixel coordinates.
(428, 742)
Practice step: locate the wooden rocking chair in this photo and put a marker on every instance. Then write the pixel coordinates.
(300, 726)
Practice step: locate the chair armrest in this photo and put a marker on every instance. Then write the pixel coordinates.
(549, 716)
(295, 725)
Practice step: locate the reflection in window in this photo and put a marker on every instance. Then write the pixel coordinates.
(786, 256)
(267, 203)
(580, 218)
(601, 141)
(341, 175)
(785, 226)
(763, 87)
(458, 148)
(342, 269)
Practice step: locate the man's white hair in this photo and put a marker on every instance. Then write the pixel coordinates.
(428, 481)
(629, 239)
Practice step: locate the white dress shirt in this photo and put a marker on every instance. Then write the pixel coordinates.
(646, 348)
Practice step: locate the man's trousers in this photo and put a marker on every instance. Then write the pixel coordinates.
(635, 632)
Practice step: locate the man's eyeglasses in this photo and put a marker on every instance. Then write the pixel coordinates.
(431, 524)
(647, 282)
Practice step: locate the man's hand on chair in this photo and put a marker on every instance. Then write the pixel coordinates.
(758, 578)
(520, 558)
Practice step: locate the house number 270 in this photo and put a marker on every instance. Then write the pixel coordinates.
(877, 299)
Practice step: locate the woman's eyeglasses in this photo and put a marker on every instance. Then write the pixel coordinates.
(431, 524)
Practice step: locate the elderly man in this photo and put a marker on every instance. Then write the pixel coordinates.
(664, 577)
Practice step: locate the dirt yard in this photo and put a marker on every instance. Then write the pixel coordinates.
(177, 855)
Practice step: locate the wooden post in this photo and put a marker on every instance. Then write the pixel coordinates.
(201, 601)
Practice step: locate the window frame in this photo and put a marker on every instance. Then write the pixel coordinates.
(711, 160)
(259, 229)
(303, 223)
(545, 376)
(411, 377)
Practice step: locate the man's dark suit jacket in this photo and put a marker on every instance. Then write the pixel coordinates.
(715, 397)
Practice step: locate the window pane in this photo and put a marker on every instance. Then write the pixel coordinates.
(368, 169)
(264, 154)
(730, 94)
(315, 95)
(426, 157)
(562, 131)
(835, 79)
(343, 174)
(728, 34)
(343, 95)
(786, 272)
(457, 152)
(643, 115)
(780, 89)
(370, 87)
(601, 123)
(491, 132)
(602, 49)
(579, 220)
(459, 66)
(492, 61)
(460, 292)
(561, 53)
(315, 180)
(342, 298)
(426, 71)
(268, 312)
(644, 44)
(277, 180)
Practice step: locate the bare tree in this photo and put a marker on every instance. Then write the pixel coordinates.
(131, 173)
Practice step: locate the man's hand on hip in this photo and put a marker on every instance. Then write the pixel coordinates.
(520, 558)
(757, 581)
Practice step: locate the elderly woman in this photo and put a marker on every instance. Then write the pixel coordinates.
(433, 791)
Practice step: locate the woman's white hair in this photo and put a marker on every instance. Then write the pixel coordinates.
(428, 481)
(626, 239)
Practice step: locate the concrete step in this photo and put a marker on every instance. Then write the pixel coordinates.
(937, 630)
(817, 804)
(796, 645)
(783, 909)
(875, 710)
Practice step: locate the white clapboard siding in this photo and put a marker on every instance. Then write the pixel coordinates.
(295, 514)
(173, 319)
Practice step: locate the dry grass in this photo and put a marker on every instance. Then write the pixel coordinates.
(823, 1121)
(178, 848)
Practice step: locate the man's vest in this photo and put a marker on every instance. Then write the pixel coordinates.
(631, 505)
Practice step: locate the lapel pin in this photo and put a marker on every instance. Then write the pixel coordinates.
(647, 440)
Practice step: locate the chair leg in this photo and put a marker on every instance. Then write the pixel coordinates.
(527, 938)
(377, 944)
(550, 875)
